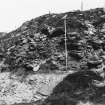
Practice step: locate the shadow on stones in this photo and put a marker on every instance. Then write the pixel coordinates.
(77, 87)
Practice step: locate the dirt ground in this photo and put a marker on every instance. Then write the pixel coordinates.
(33, 88)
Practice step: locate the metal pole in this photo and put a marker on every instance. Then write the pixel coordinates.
(66, 52)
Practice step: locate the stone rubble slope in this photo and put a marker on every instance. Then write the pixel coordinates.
(38, 45)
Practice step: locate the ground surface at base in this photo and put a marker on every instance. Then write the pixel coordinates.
(33, 88)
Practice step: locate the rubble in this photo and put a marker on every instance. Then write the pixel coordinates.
(42, 40)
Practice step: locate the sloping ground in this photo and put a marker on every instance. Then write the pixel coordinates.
(38, 46)
(42, 40)
(35, 87)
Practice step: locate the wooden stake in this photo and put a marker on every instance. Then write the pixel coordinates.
(66, 52)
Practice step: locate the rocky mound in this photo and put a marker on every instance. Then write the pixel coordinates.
(38, 45)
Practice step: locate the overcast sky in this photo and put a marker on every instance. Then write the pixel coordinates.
(14, 12)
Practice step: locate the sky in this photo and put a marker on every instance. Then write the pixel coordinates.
(15, 12)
